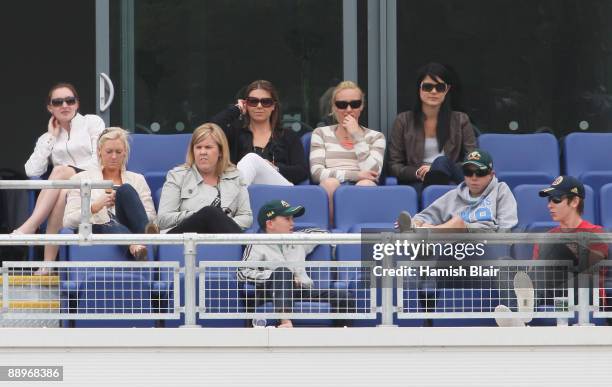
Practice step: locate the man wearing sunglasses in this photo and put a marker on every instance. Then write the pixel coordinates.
(566, 205)
(479, 203)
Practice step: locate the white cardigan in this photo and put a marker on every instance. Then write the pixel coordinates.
(77, 148)
(72, 214)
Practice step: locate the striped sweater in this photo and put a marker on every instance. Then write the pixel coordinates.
(328, 158)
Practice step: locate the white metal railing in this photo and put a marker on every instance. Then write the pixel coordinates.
(190, 241)
(387, 309)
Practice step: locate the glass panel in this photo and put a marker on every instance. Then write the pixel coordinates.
(524, 64)
(193, 57)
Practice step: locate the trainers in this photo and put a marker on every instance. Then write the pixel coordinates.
(523, 288)
(151, 228)
(404, 221)
(507, 321)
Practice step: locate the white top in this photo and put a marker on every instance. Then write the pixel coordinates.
(431, 150)
(76, 148)
(72, 214)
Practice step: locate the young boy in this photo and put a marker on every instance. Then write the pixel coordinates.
(480, 203)
(285, 285)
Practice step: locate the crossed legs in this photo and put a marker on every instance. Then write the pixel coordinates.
(50, 206)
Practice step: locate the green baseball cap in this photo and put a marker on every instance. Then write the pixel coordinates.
(480, 158)
(274, 208)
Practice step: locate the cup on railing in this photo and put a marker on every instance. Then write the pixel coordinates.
(259, 323)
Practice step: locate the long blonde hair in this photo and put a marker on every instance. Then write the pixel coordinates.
(114, 133)
(202, 132)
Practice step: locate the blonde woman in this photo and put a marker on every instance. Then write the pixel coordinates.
(128, 207)
(206, 194)
(346, 153)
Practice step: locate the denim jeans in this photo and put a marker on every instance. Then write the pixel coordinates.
(131, 217)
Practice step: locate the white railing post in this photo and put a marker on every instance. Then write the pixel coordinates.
(387, 307)
(85, 225)
(584, 305)
(190, 281)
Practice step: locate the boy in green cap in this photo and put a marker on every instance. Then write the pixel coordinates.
(285, 285)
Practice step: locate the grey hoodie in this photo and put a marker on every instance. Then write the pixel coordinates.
(494, 210)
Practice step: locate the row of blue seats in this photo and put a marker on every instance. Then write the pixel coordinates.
(356, 207)
(518, 158)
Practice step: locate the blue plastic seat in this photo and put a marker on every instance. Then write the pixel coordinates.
(312, 197)
(605, 206)
(153, 155)
(357, 208)
(537, 163)
(433, 192)
(588, 158)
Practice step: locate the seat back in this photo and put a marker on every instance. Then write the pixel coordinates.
(605, 206)
(588, 158)
(586, 152)
(312, 197)
(377, 207)
(153, 155)
(538, 162)
(433, 192)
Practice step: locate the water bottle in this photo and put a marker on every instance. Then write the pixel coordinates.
(259, 323)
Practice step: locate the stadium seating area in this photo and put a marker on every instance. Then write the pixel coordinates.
(526, 162)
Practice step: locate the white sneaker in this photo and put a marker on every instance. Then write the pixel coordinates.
(523, 288)
(507, 321)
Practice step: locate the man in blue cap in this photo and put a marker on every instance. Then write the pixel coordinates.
(566, 204)
(284, 285)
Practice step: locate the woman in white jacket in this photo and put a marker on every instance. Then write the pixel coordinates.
(70, 144)
(128, 207)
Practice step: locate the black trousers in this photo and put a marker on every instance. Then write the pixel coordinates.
(208, 220)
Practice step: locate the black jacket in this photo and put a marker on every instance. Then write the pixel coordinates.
(284, 150)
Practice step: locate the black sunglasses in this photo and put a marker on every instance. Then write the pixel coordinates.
(265, 102)
(469, 172)
(559, 199)
(57, 102)
(355, 104)
(428, 87)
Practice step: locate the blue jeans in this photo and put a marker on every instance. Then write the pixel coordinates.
(131, 217)
(449, 168)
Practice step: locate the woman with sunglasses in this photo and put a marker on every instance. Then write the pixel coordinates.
(429, 142)
(264, 152)
(346, 153)
(70, 144)
(125, 209)
(206, 194)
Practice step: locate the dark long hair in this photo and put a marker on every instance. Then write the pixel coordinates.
(276, 114)
(435, 71)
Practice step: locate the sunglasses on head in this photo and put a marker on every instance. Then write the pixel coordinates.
(265, 102)
(57, 102)
(469, 172)
(428, 87)
(355, 104)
